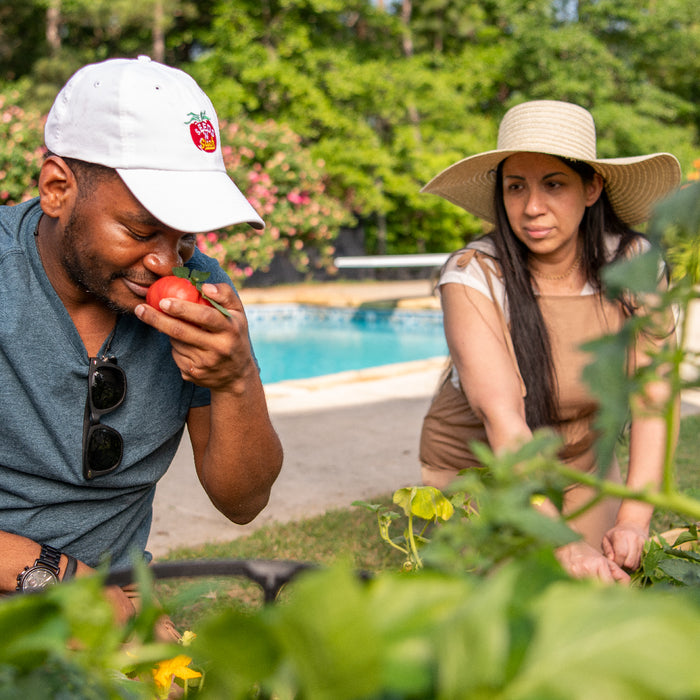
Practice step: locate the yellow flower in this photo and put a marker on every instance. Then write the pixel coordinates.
(177, 667)
(187, 638)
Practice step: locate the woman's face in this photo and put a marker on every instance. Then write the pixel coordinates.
(545, 201)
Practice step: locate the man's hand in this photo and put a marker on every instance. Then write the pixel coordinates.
(210, 349)
(623, 545)
(581, 560)
(121, 604)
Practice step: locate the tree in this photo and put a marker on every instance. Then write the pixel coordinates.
(22, 38)
(390, 93)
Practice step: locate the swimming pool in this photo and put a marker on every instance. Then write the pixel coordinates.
(299, 341)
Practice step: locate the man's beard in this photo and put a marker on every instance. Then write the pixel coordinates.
(83, 268)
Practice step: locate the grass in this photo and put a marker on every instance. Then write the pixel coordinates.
(349, 536)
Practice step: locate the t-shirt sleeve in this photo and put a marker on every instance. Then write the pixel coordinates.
(477, 271)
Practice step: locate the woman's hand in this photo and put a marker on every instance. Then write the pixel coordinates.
(581, 560)
(623, 545)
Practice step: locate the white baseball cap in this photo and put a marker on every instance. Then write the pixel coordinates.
(158, 129)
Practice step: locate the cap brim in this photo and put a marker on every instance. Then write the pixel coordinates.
(194, 202)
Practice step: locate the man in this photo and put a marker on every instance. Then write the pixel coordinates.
(95, 385)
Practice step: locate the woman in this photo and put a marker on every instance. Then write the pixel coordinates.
(519, 302)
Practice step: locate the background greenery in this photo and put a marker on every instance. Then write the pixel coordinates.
(379, 96)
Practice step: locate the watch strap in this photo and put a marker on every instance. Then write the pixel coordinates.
(50, 558)
(71, 567)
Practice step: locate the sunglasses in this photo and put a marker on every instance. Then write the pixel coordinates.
(103, 446)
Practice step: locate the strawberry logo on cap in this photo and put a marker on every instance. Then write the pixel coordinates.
(202, 131)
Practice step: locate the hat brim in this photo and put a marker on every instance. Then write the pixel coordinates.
(633, 184)
(194, 202)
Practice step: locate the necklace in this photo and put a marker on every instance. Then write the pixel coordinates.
(567, 273)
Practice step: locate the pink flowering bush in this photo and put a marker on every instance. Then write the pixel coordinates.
(21, 150)
(287, 188)
(268, 163)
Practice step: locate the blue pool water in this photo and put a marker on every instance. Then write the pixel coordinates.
(298, 341)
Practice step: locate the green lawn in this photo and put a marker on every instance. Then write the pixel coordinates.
(350, 536)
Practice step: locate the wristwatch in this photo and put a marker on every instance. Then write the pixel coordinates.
(44, 572)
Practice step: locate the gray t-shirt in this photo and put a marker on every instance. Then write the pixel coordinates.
(43, 388)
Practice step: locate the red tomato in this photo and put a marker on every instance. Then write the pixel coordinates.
(171, 287)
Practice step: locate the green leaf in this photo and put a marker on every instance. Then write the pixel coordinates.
(329, 637)
(373, 507)
(639, 274)
(681, 570)
(681, 210)
(425, 502)
(593, 641)
(198, 277)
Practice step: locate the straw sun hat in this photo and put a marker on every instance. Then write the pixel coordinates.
(560, 129)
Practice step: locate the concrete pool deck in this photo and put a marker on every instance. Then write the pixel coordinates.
(346, 437)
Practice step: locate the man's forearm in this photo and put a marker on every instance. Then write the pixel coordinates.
(241, 456)
(17, 553)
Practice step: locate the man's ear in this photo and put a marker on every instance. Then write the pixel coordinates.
(58, 188)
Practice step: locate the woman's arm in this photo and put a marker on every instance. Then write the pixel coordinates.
(624, 543)
(485, 367)
(492, 386)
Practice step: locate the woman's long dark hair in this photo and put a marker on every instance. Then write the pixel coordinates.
(527, 327)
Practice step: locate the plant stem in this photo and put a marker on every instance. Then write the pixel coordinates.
(412, 542)
(673, 501)
(385, 536)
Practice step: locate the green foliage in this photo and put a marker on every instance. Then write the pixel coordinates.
(198, 278)
(388, 99)
(675, 562)
(498, 521)
(521, 633)
(679, 234)
(419, 504)
(64, 643)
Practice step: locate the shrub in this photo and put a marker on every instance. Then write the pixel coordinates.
(287, 188)
(267, 162)
(21, 150)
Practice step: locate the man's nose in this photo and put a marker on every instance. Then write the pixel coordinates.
(162, 260)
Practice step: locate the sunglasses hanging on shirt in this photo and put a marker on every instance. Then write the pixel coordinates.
(103, 446)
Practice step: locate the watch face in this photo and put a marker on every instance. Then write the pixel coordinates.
(37, 578)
